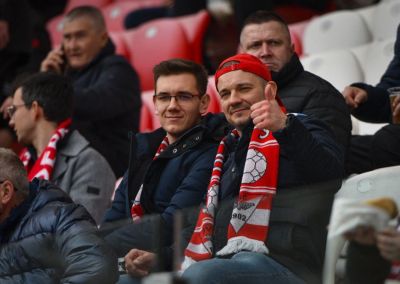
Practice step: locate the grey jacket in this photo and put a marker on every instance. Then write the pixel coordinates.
(84, 174)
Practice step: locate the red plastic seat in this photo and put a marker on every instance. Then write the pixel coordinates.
(120, 48)
(54, 28)
(149, 119)
(215, 103)
(96, 3)
(195, 27)
(115, 13)
(154, 42)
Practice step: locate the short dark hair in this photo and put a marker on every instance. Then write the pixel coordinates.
(182, 66)
(12, 169)
(86, 11)
(51, 91)
(263, 16)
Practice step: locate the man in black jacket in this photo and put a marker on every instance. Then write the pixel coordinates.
(266, 36)
(106, 88)
(44, 236)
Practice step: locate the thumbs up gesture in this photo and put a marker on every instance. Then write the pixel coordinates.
(267, 114)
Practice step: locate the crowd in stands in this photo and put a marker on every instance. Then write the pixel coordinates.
(241, 195)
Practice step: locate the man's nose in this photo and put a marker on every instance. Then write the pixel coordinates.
(173, 103)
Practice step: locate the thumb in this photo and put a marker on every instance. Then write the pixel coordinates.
(269, 95)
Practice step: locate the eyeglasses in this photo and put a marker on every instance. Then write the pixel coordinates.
(181, 98)
(13, 108)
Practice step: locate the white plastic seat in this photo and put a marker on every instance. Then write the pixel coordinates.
(339, 67)
(378, 57)
(336, 30)
(384, 182)
(385, 20)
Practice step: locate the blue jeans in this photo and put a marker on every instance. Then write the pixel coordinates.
(126, 279)
(243, 267)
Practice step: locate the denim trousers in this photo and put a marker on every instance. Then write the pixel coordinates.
(243, 267)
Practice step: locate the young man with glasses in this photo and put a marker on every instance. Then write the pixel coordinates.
(44, 236)
(170, 167)
(40, 116)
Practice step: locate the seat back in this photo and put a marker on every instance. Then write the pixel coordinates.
(339, 67)
(385, 20)
(215, 104)
(195, 27)
(384, 182)
(120, 48)
(115, 13)
(154, 42)
(336, 30)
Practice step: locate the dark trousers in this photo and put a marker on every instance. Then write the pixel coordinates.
(370, 152)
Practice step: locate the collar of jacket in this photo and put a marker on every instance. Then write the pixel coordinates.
(108, 49)
(289, 72)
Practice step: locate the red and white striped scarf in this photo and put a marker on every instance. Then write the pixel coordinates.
(137, 209)
(44, 165)
(248, 228)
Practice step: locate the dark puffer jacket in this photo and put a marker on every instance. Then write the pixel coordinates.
(304, 92)
(107, 105)
(49, 239)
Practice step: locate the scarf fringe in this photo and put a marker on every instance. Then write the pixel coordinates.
(188, 261)
(241, 243)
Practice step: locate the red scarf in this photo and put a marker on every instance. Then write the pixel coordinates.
(248, 227)
(44, 165)
(137, 209)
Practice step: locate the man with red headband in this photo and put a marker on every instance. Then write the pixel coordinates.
(268, 201)
(250, 233)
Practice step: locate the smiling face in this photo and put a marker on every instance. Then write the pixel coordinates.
(178, 116)
(239, 90)
(82, 41)
(270, 42)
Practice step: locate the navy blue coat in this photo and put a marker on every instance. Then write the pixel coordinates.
(107, 105)
(177, 179)
(377, 107)
(49, 239)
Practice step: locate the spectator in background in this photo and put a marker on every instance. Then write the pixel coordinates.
(372, 104)
(171, 8)
(170, 167)
(106, 88)
(40, 115)
(15, 49)
(44, 236)
(266, 36)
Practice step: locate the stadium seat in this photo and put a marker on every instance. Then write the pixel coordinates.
(336, 30)
(146, 117)
(118, 40)
(54, 28)
(377, 59)
(296, 33)
(339, 67)
(195, 27)
(385, 20)
(154, 42)
(215, 105)
(382, 182)
(75, 3)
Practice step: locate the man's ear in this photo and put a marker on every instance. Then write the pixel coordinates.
(7, 193)
(155, 106)
(36, 111)
(104, 38)
(204, 103)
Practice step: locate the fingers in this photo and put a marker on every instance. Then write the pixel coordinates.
(53, 61)
(269, 96)
(388, 242)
